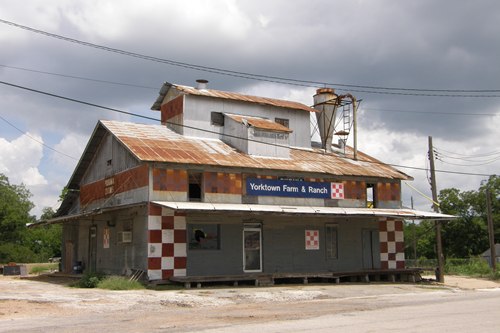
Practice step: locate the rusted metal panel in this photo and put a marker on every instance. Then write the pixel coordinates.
(155, 143)
(260, 123)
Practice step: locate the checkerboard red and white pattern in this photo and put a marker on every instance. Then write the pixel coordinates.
(337, 190)
(167, 254)
(392, 246)
(312, 239)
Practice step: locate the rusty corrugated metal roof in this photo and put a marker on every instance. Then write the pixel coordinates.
(156, 143)
(229, 95)
(260, 123)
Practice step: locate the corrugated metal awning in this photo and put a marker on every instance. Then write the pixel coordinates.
(406, 214)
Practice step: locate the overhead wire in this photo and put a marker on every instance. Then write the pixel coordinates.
(36, 140)
(79, 77)
(209, 131)
(472, 93)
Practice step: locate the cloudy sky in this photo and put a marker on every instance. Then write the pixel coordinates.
(423, 48)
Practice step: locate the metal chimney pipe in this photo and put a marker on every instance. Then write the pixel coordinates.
(201, 84)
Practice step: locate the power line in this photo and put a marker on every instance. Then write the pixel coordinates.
(433, 112)
(213, 132)
(78, 77)
(36, 140)
(474, 93)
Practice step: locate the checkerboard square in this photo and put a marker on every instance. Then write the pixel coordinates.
(180, 236)
(154, 263)
(167, 236)
(167, 222)
(167, 250)
(155, 236)
(167, 263)
(154, 223)
(180, 262)
(337, 190)
(154, 250)
(180, 250)
(167, 273)
(154, 274)
(180, 272)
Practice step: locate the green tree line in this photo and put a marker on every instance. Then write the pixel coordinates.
(18, 243)
(464, 237)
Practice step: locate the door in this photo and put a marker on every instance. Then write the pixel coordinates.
(252, 250)
(68, 257)
(92, 248)
(371, 249)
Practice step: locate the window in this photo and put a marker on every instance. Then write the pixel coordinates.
(331, 242)
(217, 118)
(194, 190)
(282, 121)
(204, 236)
(371, 195)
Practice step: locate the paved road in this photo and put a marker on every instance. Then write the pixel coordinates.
(33, 306)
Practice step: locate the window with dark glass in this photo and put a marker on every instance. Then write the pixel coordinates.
(204, 236)
(217, 118)
(194, 190)
(282, 121)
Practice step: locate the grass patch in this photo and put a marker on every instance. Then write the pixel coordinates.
(42, 268)
(474, 267)
(119, 283)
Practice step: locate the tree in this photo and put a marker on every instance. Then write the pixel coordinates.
(18, 243)
(14, 210)
(463, 237)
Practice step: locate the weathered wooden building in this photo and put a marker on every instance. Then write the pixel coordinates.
(230, 185)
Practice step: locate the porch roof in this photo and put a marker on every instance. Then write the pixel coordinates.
(407, 214)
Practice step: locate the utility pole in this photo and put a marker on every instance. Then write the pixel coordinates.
(439, 247)
(491, 231)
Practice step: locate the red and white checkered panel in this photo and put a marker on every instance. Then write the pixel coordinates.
(312, 239)
(392, 247)
(337, 190)
(167, 254)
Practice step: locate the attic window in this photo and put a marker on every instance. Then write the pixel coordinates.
(195, 179)
(282, 121)
(217, 118)
(371, 196)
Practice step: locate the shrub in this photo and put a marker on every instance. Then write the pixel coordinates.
(89, 280)
(119, 283)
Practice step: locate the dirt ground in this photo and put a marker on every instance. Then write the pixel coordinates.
(36, 303)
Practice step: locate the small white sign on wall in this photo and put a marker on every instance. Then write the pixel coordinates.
(312, 239)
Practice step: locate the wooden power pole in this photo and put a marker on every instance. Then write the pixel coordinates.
(439, 247)
(491, 231)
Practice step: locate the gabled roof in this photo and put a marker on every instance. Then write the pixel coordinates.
(157, 143)
(229, 96)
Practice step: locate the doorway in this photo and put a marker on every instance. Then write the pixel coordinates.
(92, 248)
(371, 249)
(252, 249)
